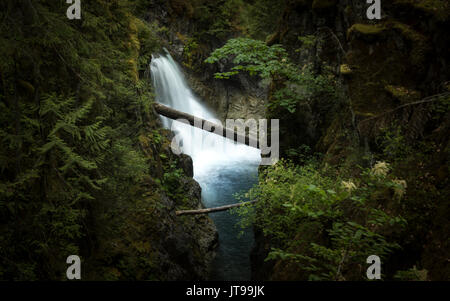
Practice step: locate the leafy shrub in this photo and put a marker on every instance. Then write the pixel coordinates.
(323, 224)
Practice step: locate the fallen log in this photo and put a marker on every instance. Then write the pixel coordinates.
(206, 125)
(215, 209)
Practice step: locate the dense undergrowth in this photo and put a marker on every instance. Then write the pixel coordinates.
(326, 223)
(80, 164)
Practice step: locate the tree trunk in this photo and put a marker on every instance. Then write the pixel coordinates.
(206, 125)
(215, 209)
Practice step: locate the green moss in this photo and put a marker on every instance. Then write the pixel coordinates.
(380, 71)
(402, 94)
(345, 69)
(328, 140)
(365, 29)
(420, 44)
(190, 50)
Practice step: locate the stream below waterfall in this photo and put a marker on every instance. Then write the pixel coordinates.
(221, 167)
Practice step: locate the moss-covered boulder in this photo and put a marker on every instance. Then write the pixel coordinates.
(345, 69)
(368, 32)
(383, 56)
(402, 94)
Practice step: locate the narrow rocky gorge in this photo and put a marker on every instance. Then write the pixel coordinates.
(379, 66)
(89, 167)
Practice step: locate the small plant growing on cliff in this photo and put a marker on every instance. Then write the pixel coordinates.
(189, 51)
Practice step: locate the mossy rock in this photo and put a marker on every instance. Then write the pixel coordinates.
(402, 94)
(345, 69)
(387, 59)
(365, 30)
(273, 38)
(420, 44)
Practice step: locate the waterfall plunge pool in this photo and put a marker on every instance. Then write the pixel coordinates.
(221, 167)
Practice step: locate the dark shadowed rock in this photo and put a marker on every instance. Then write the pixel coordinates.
(185, 163)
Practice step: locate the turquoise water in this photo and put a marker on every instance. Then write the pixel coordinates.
(221, 167)
(232, 260)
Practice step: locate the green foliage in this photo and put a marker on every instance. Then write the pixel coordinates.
(307, 41)
(252, 56)
(62, 163)
(298, 85)
(412, 274)
(171, 179)
(302, 154)
(260, 18)
(325, 225)
(189, 50)
(73, 100)
(394, 144)
(441, 106)
(216, 18)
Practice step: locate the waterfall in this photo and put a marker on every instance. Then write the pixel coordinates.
(206, 149)
(221, 166)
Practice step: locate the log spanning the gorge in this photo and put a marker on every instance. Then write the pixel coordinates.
(206, 125)
(215, 209)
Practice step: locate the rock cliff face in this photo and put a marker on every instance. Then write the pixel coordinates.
(380, 65)
(189, 243)
(244, 97)
(145, 240)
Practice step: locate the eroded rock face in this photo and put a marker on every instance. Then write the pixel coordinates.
(188, 242)
(185, 163)
(240, 98)
(144, 239)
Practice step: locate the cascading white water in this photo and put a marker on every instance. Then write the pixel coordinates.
(221, 167)
(206, 149)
